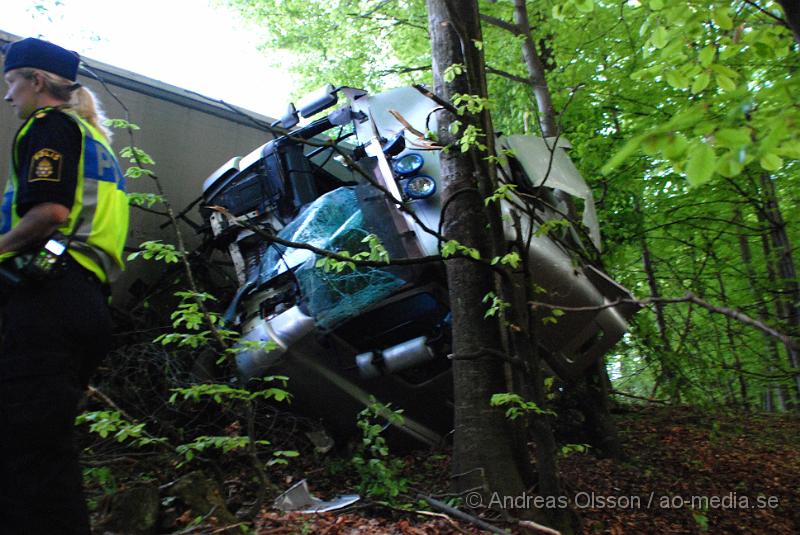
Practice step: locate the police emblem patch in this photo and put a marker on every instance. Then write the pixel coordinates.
(45, 165)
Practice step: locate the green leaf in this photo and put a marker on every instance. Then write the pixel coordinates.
(701, 82)
(706, 56)
(701, 520)
(725, 83)
(684, 119)
(450, 73)
(656, 5)
(724, 70)
(120, 123)
(790, 149)
(729, 165)
(723, 19)
(732, 138)
(771, 162)
(144, 199)
(585, 6)
(675, 146)
(704, 129)
(449, 248)
(652, 144)
(776, 131)
(700, 166)
(511, 259)
(677, 79)
(641, 73)
(660, 37)
(623, 154)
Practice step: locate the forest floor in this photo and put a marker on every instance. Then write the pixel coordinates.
(687, 471)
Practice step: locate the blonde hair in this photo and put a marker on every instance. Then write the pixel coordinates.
(79, 99)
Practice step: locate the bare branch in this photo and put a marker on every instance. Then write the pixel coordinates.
(767, 13)
(649, 400)
(484, 352)
(688, 298)
(504, 74)
(376, 8)
(149, 210)
(538, 527)
(500, 23)
(403, 70)
(461, 515)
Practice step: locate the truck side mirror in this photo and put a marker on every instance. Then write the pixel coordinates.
(289, 119)
(319, 100)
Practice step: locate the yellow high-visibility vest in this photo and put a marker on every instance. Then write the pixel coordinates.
(100, 209)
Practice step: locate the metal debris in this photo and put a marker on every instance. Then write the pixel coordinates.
(298, 498)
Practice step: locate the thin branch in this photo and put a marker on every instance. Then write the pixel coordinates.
(489, 352)
(649, 400)
(150, 210)
(100, 395)
(504, 74)
(461, 515)
(376, 8)
(397, 21)
(403, 70)
(443, 516)
(688, 298)
(538, 527)
(500, 23)
(94, 392)
(767, 13)
(784, 375)
(436, 98)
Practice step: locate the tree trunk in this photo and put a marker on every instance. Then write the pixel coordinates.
(590, 391)
(547, 114)
(533, 63)
(792, 10)
(531, 386)
(483, 455)
(763, 313)
(667, 374)
(733, 349)
(790, 290)
(592, 395)
(772, 278)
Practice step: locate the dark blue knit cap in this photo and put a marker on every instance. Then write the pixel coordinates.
(38, 54)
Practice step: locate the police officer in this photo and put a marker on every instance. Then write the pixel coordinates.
(64, 225)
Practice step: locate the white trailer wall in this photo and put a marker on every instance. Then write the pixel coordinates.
(187, 135)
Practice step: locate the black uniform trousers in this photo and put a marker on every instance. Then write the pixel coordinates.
(55, 332)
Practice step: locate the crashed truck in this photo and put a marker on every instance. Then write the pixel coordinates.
(346, 336)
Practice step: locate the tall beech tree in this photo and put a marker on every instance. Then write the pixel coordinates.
(483, 455)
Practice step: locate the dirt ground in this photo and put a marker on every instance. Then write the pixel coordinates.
(687, 471)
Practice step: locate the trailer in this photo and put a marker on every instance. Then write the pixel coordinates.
(187, 135)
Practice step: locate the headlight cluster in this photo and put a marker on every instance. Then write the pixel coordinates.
(415, 185)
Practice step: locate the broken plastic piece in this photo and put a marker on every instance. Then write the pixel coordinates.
(298, 498)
